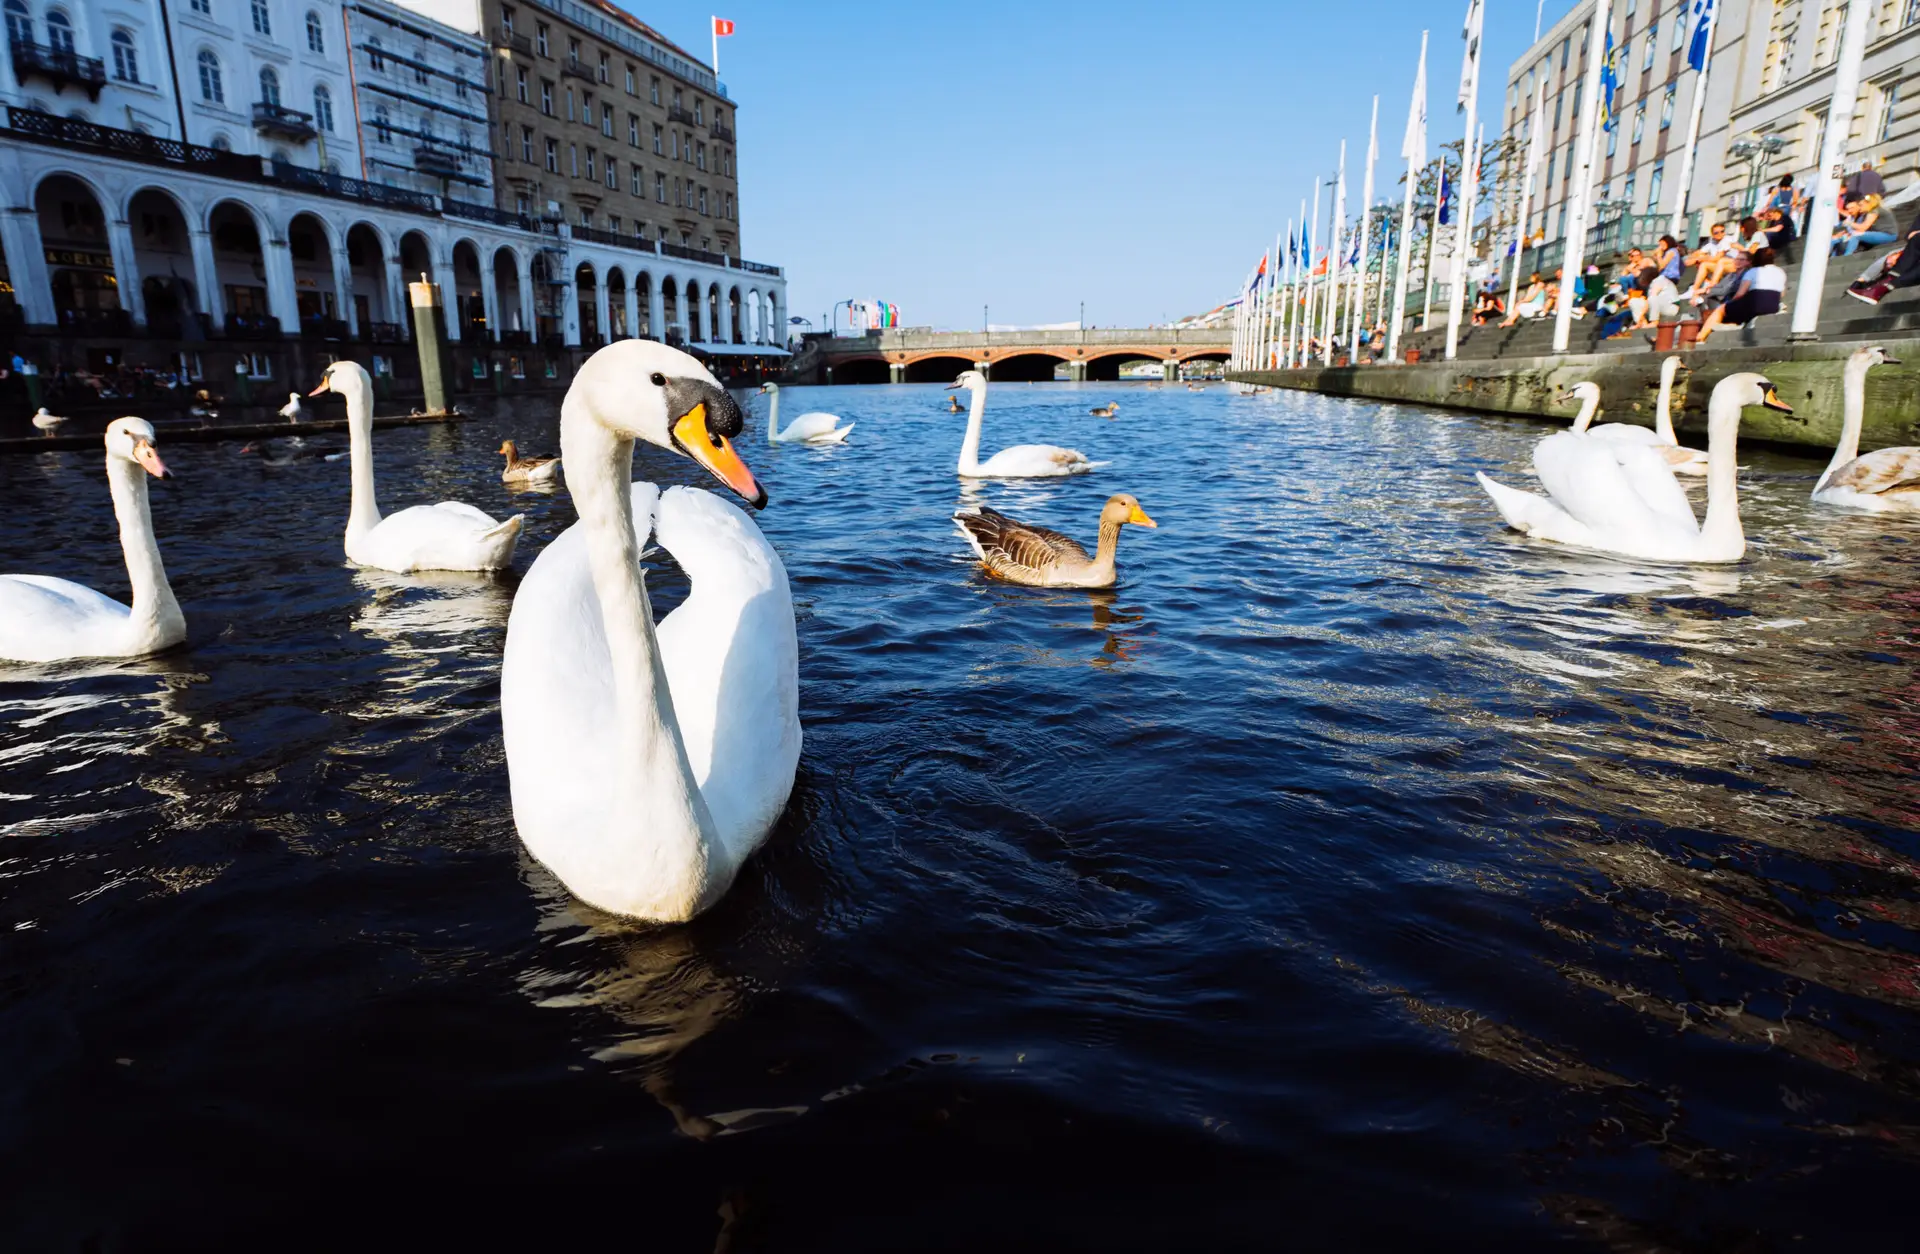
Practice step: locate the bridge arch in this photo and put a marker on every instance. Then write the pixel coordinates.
(1026, 366)
(864, 369)
(940, 368)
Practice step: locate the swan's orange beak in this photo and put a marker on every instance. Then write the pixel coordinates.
(322, 388)
(149, 458)
(1138, 517)
(1773, 401)
(717, 455)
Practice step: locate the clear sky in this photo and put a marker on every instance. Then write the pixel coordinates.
(1031, 156)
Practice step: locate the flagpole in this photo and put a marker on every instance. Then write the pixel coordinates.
(1333, 257)
(1833, 157)
(1313, 246)
(1526, 189)
(1676, 226)
(1576, 241)
(713, 25)
(1366, 206)
(1469, 176)
(1433, 248)
(1414, 149)
(1293, 295)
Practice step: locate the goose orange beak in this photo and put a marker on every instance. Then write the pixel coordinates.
(717, 455)
(1138, 517)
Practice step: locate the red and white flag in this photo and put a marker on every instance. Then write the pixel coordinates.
(721, 26)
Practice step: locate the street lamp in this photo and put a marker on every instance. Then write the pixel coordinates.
(1756, 151)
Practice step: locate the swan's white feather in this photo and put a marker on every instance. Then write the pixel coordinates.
(1035, 461)
(46, 619)
(447, 536)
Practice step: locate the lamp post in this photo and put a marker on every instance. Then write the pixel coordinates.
(1756, 151)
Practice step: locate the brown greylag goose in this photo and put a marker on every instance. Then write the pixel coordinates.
(1022, 553)
(527, 469)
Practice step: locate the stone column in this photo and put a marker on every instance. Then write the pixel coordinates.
(896, 372)
(125, 272)
(343, 290)
(601, 306)
(569, 314)
(1076, 372)
(280, 286)
(27, 265)
(206, 278)
(985, 368)
(1171, 370)
(397, 309)
(490, 301)
(449, 308)
(633, 307)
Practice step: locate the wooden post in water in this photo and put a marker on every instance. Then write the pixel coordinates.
(430, 336)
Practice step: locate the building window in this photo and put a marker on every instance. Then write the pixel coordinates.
(382, 124)
(1639, 122)
(1666, 108)
(654, 91)
(126, 62)
(633, 129)
(590, 156)
(1680, 31)
(59, 31)
(630, 80)
(1550, 159)
(613, 178)
(420, 65)
(703, 200)
(1889, 102)
(700, 157)
(262, 20)
(323, 109)
(553, 157)
(676, 97)
(269, 86)
(1626, 193)
(573, 53)
(613, 223)
(573, 159)
(1653, 36)
(540, 38)
(606, 120)
(699, 111)
(679, 193)
(605, 75)
(1613, 141)
(546, 96)
(638, 181)
(375, 60)
(659, 140)
(726, 160)
(520, 84)
(729, 206)
(20, 24)
(316, 36)
(570, 113)
(526, 144)
(660, 188)
(506, 21)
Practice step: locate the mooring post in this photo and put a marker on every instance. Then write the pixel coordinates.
(431, 338)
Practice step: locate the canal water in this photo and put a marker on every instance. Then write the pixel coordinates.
(1354, 873)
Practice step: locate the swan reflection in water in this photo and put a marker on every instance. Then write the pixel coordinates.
(430, 622)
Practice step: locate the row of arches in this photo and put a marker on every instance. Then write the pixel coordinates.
(1032, 367)
(228, 268)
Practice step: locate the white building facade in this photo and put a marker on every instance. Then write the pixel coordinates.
(101, 61)
(421, 88)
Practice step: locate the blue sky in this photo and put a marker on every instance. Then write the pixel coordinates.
(1030, 156)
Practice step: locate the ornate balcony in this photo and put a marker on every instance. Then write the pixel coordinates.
(510, 42)
(721, 132)
(684, 116)
(63, 67)
(429, 159)
(275, 119)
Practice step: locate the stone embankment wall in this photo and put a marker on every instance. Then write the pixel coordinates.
(1807, 377)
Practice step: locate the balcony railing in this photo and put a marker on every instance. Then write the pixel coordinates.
(755, 267)
(676, 114)
(323, 328)
(384, 333)
(721, 132)
(63, 66)
(692, 254)
(276, 119)
(350, 188)
(487, 213)
(253, 326)
(96, 321)
(573, 66)
(516, 339)
(521, 44)
(73, 133)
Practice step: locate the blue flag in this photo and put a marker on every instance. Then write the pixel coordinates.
(1354, 259)
(1702, 34)
(1610, 84)
(1446, 198)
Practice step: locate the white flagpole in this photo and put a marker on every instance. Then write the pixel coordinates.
(1414, 149)
(1313, 246)
(1366, 214)
(1282, 341)
(1526, 188)
(1433, 248)
(1333, 257)
(1240, 329)
(1676, 226)
(1469, 176)
(1833, 159)
(1269, 347)
(1293, 293)
(1576, 241)
(713, 24)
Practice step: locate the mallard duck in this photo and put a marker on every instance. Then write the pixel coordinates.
(527, 469)
(1107, 410)
(1022, 553)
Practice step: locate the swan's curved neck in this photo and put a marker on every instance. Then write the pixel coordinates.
(773, 416)
(665, 843)
(1721, 530)
(153, 602)
(970, 446)
(1853, 394)
(364, 513)
(1663, 411)
(1589, 405)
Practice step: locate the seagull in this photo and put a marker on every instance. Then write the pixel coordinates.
(293, 410)
(47, 422)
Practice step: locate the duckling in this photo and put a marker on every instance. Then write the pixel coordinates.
(954, 406)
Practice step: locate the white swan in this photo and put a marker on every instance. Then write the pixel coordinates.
(1660, 437)
(647, 763)
(1614, 497)
(1887, 481)
(293, 410)
(447, 536)
(813, 428)
(1022, 461)
(43, 619)
(47, 422)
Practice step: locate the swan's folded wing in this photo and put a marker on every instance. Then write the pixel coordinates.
(1889, 470)
(1651, 475)
(1626, 510)
(464, 510)
(811, 426)
(1625, 432)
(43, 618)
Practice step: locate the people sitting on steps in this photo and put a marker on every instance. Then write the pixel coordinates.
(1757, 292)
(1899, 268)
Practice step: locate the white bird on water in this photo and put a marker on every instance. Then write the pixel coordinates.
(1022, 461)
(1886, 481)
(293, 410)
(47, 422)
(814, 428)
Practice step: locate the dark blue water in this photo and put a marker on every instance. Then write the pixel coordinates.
(1354, 875)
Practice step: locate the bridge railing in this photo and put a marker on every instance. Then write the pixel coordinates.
(916, 340)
